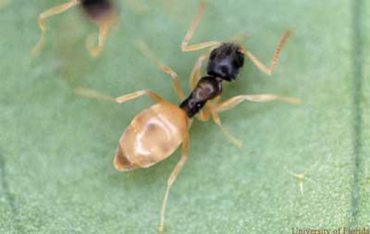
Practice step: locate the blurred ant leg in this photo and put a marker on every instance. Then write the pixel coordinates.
(206, 111)
(104, 28)
(172, 178)
(204, 114)
(42, 17)
(89, 93)
(185, 47)
(195, 73)
(145, 50)
(275, 56)
(154, 96)
(229, 136)
(195, 76)
(234, 101)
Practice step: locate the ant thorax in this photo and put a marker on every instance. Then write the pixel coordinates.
(223, 65)
(207, 88)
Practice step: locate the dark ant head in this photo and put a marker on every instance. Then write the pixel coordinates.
(225, 61)
(97, 9)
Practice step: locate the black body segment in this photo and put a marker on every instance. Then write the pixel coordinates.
(96, 9)
(207, 88)
(224, 64)
(225, 61)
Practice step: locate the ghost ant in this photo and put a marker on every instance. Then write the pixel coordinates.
(156, 132)
(101, 12)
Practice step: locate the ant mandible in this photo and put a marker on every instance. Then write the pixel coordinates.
(101, 12)
(156, 132)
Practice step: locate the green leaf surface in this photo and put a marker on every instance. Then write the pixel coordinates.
(56, 148)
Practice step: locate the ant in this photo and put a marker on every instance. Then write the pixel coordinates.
(101, 12)
(156, 132)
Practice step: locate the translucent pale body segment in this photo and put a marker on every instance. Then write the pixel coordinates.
(152, 136)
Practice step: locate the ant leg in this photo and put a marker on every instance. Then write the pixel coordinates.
(103, 33)
(185, 47)
(195, 73)
(203, 115)
(154, 96)
(172, 178)
(89, 93)
(42, 17)
(234, 101)
(104, 28)
(145, 50)
(229, 136)
(207, 110)
(275, 56)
